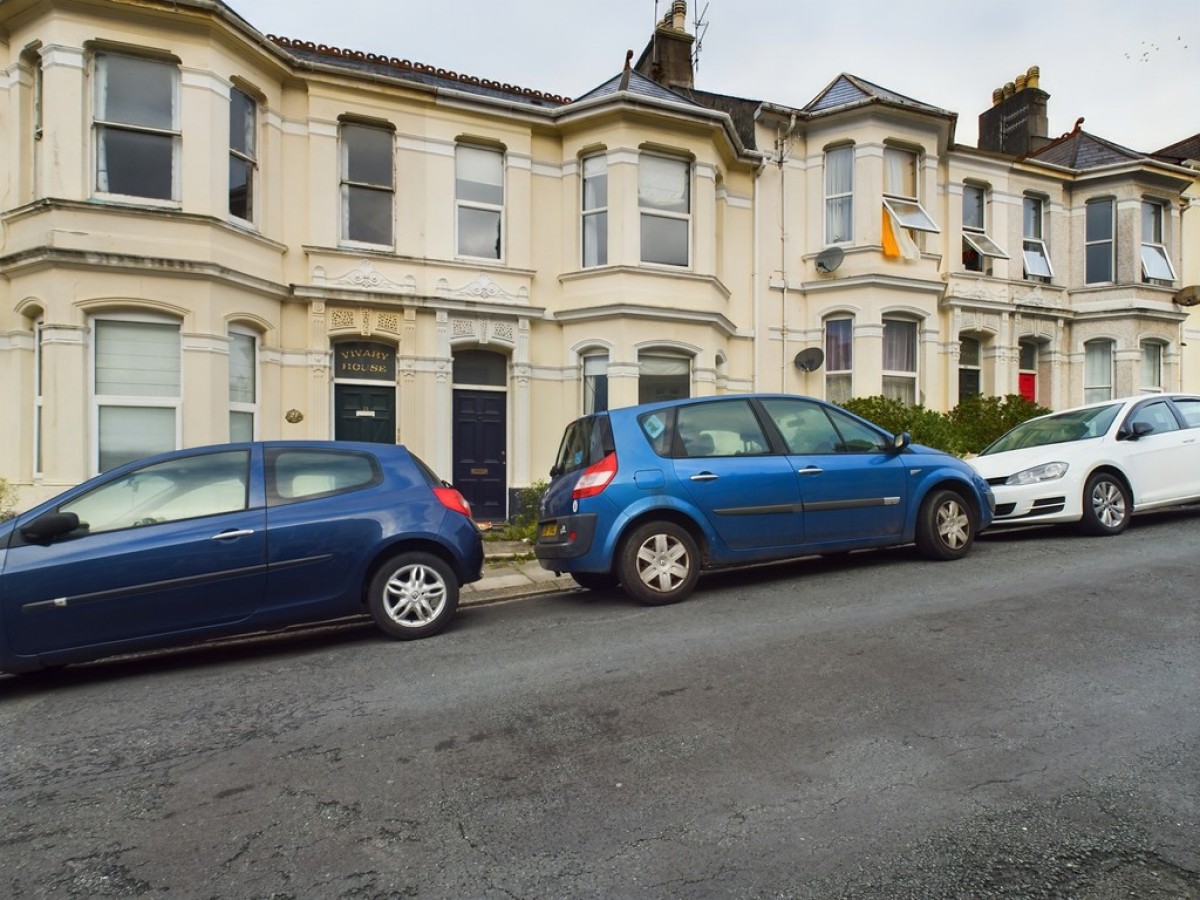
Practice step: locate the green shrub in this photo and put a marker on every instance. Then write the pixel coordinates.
(968, 428)
(522, 525)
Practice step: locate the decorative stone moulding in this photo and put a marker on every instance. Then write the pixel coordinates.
(482, 288)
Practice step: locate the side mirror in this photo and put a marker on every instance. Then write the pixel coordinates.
(50, 525)
(1140, 429)
(900, 441)
(555, 471)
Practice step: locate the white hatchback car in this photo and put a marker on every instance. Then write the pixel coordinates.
(1097, 464)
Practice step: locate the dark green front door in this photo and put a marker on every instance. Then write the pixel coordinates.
(365, 413)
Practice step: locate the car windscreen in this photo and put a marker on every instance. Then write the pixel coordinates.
(1063, 428)
(585, 442)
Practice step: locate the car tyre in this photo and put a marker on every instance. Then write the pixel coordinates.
(945, 525)
(596, 581)
(1106, 505)
(413, 595)
(659, 563)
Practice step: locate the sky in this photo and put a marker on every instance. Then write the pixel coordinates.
(1130, 68)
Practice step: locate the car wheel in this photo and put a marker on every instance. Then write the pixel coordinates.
(945, 526)
(1106, 505)
(413, 595)
(595, 581)
(659, 563)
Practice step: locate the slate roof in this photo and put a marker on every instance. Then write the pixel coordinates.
(638, 84)
(741, 110)
(850, 90)
(1180, 151)
(420, 73)
(1080, 150)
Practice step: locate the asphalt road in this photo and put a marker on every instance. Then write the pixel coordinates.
(1023, 723)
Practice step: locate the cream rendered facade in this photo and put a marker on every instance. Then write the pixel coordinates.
(279, 290)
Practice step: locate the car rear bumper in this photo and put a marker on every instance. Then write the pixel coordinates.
(563, 540)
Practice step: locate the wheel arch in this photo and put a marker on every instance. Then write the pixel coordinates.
(665, 514)
(969, 495)
(409, 545)
(1110, 469)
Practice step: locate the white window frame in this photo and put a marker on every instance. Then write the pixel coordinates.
(593, 365)
(906, 211)
(1152, 354)
(39, 330)
(650, 211)
(347, 185)
(1034, 252)
(964, 366)
(241, 407)
(976, 236)
(462, 204)
(247, 156)
(101, 125)
(1156, 262)
(1095, 390)
(130, 401)
(665, 359)
(906, 375)
(839, 199)
(839, 381)
(1110, 240)
(595, 216)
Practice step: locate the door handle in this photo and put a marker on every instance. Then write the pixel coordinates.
(705, 476)
(810, 470)
(229, 535)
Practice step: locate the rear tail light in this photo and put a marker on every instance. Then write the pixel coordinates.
(453, 500)
(595, 478)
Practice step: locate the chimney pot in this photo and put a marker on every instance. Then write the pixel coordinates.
(997, 96)
(1032, 76)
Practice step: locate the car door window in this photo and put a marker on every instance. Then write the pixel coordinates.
(856, 436)
(186, 488)
(719, 429)
(1158, 415)
(1190, 410)
(304, 474)
(804, 426)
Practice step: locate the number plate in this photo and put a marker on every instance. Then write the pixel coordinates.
(550, 529)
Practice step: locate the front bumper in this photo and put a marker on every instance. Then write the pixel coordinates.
(1045, 502)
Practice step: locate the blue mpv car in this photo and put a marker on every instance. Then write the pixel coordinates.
(647, 496)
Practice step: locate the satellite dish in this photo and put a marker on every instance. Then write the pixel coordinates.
(1188, 296)
(810, 359)
(829, 259)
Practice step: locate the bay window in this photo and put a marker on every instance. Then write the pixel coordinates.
(137, 127)
(1098, 242)
(664, 199)
(1156, 263)
(243, 141)
(839, 360)
(136, 389)
(243, 385)
(1097, 371)
(839, 195)
(594, 204)
(900, 360)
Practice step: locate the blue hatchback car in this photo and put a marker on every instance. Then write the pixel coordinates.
(647, 496)
(230, 539)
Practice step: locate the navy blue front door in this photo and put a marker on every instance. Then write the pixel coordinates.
(480, 469)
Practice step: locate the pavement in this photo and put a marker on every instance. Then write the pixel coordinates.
(511, 570)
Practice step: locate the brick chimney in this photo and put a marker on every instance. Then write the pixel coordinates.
(1017, 123)
(667, 59)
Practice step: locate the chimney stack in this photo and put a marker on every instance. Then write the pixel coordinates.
(1017, 122)
(668, 57)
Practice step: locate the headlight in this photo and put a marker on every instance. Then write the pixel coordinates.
(1047, 472)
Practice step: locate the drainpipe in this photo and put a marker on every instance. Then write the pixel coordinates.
(783, 242)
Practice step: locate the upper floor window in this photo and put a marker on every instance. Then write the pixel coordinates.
(243, 385)
(900, 360)
(1033, 248)
(839, 195)
(136, 387)
(243, 153)
(978, 248)
(479, 194)
(903, 213)
(1156, 264)
(368, 184)
(594, 205)
(839, 360)
(1097, 371)
(137, 127)
(664, 198)
(1098, 242)
(595, 383)
(39, 362)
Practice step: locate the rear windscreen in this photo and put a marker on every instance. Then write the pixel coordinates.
(585, 442)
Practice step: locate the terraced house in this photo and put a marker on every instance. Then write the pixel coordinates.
(211, 233)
